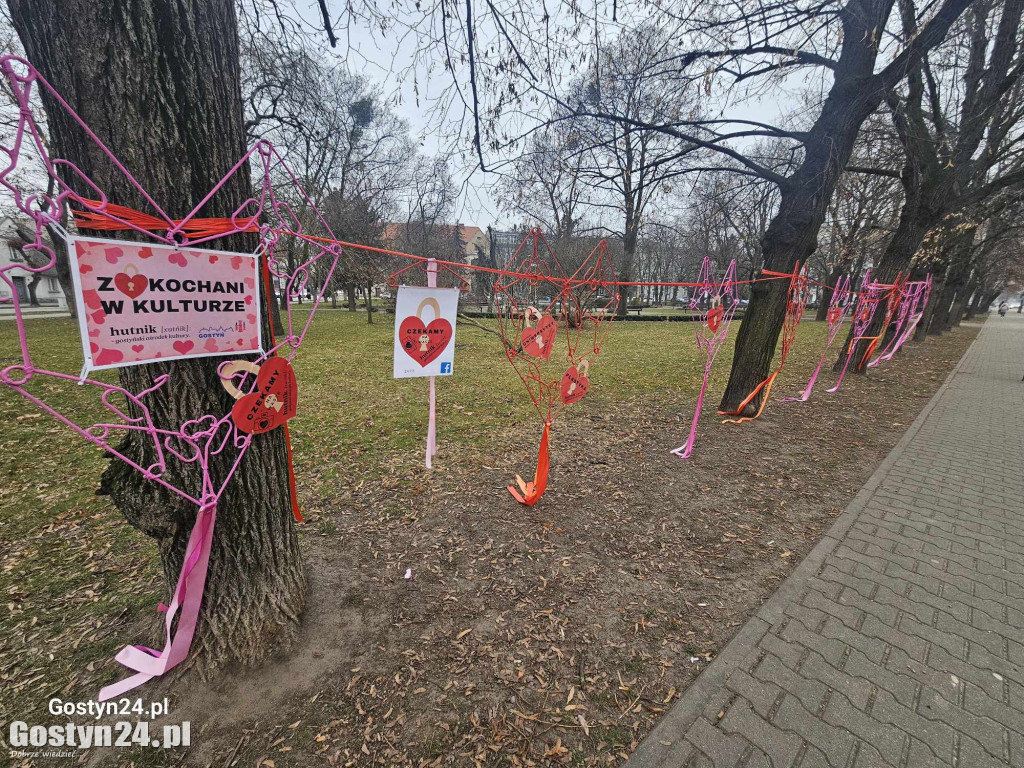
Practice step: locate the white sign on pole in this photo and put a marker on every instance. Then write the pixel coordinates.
(425, 331)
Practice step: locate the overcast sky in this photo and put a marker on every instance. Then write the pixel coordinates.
(390, 64)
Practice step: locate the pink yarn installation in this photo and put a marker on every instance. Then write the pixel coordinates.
(912, 305)
(197, 440)
(838, 308)
(867, 301)
(711, 332)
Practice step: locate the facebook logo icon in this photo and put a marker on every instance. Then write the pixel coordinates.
(446, 367)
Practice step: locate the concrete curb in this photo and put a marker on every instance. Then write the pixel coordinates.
(665, 745)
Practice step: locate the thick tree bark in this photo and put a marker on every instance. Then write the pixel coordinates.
(941, 320)
(974, 306)
(158, 81)
(792, 236)
(350, 292)
(956, 315)
(966, 307)
(952, 297)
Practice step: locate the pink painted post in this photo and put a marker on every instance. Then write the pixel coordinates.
(432, 422)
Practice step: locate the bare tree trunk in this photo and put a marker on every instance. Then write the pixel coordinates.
(369, 304)
(350, 291)
(625, 269)
(32, 286)
(792, 235)
(956, 315)
(972, 295)
(971, 308)
(938, 282)
(158, 81)
(940, 317)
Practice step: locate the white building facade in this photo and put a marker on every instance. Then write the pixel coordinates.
(48, 290)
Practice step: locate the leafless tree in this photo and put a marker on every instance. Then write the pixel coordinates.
(857, 49)
(959, 118)
(178, 143)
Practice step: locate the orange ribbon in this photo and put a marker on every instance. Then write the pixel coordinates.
(764, 400)
(292, 490)
(531, 492)
(116, 217)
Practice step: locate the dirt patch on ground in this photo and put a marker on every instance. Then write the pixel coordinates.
(556, 634)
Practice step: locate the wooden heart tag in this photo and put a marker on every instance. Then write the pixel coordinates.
(575, 383)
(538, 341)
(271, 404)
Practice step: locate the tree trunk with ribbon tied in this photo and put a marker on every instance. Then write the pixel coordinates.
(158, 82)
(857, 91)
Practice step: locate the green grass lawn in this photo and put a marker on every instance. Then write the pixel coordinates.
(68, 554)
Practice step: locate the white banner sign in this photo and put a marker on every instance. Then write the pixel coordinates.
(140, 302)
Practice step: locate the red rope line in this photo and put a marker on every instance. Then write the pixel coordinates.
(118, 217)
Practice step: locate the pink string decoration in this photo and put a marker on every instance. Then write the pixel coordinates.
(913, 301)
(871, 294)
(839, 305)
(717, 303)
(197, 440)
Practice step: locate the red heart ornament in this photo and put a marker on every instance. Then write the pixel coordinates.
(130, 285)
(833, 314)
(575, 385)
(423, 343)
(715, 315)
(538, 342)
(272, 403)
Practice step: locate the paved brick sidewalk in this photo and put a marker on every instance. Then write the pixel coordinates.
(899, 641)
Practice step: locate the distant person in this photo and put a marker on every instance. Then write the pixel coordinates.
(1003, 307)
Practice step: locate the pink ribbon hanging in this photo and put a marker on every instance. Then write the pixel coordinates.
(188, 596)
(432, 420)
